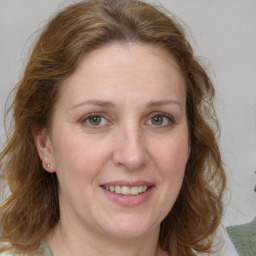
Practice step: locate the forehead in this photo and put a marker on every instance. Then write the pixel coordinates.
(120, 67)
(125, 56)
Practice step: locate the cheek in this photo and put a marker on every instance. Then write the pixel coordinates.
(170, 160)
(77, 170)
(172, 156)
(79, 157)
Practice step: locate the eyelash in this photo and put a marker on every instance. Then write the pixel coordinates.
(86, 119)
(170, 118)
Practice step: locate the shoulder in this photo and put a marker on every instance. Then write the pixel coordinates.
(43, 250)
(222, 245)
(4, 246)
(7, 253)
(4, 254)
(244, 238)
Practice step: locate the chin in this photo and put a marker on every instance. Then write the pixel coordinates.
(132, 229)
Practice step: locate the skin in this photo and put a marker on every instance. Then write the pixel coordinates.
(137, 95)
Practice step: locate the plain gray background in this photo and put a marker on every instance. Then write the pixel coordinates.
(223, 34)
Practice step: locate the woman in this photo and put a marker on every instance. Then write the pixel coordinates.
(111, 151)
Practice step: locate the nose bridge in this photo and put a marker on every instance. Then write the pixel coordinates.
(130, 151)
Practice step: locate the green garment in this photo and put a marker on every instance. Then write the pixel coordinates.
(244, 238)
(44, 250)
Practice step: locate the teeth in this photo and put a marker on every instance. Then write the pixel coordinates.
(144, 188)
(134, 191)
(118, 189)
(127, 191)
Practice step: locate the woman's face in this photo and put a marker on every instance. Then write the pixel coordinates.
(119, 141)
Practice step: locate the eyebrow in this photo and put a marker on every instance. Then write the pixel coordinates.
(107, 104)
(99, 103)
(163, 102)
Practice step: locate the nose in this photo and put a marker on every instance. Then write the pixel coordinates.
(130, 149)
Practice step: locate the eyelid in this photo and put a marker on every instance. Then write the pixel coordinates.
(103, 115)
(98, 114)
(163, 114)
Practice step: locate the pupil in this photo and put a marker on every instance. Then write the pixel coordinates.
(157, 120)
(95, 120)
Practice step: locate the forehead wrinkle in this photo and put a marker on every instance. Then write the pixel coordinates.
(99, 103)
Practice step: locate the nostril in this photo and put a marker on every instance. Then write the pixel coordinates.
(130, 159)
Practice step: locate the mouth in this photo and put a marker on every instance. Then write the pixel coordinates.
(128, 194)
(126, 190)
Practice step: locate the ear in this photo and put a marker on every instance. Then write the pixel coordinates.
(44, 148)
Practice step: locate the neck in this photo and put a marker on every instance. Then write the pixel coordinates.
(67, 242)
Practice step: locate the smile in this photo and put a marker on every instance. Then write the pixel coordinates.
(127, 191)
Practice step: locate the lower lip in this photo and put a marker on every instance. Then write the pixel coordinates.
(129, 201)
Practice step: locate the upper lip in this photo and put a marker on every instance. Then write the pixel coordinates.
(128, 183)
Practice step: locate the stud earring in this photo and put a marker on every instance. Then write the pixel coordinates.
(47, 165)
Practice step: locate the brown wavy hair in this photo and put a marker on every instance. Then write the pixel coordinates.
(31, 208)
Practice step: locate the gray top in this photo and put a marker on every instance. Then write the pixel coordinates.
(244, 238)
(44, 249)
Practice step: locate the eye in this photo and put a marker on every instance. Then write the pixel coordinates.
(95, 120)
(157, 120)
(160, 119)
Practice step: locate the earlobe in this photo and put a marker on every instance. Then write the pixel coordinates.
(44, 148)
